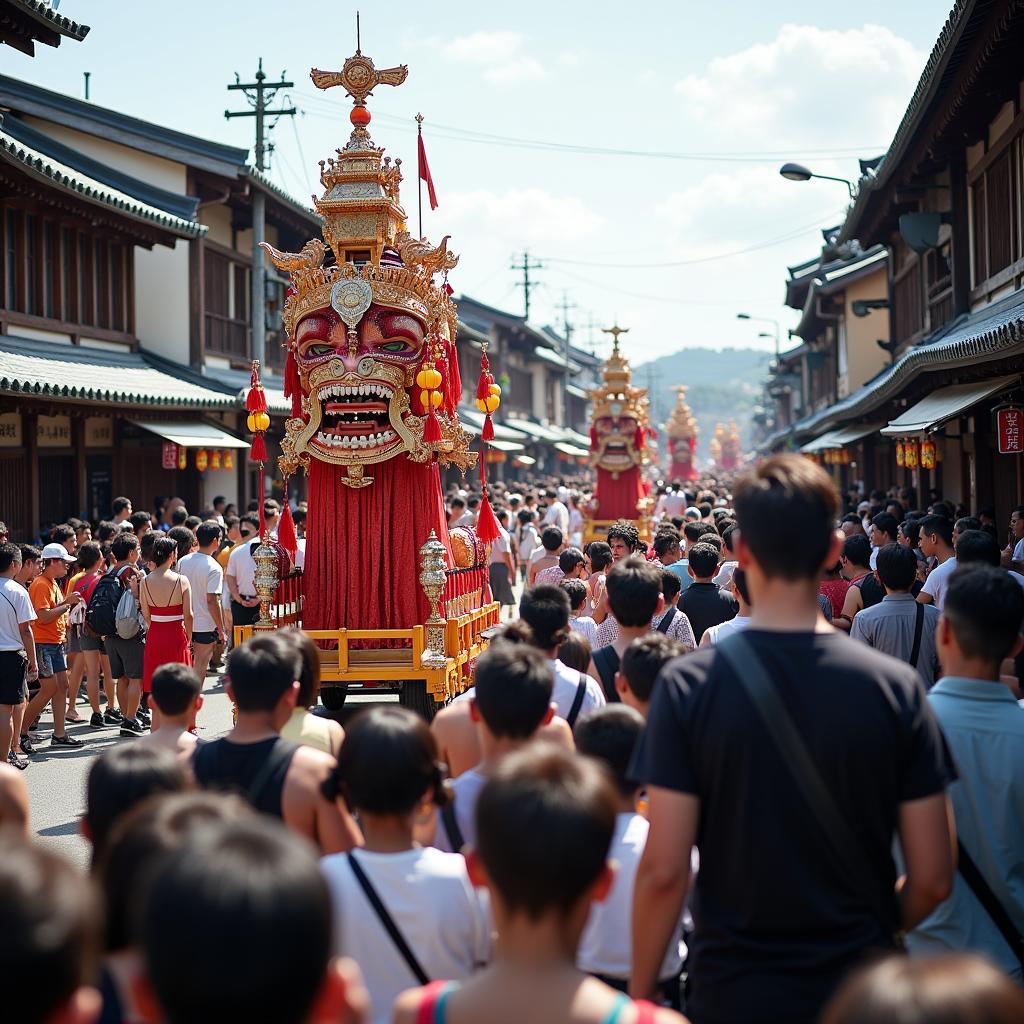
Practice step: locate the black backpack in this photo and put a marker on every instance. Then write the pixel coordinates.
(101, 612)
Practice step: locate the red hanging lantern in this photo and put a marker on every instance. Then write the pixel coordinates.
(202, 459)
(901, 460)
(928, 454)
(215, 459)
(182, 458)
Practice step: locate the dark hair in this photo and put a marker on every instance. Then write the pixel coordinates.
(230, 521)
(644, 658)
(457, 503)
(191, 523)
(183, 537)
(977, 546)
(610, 734)
(857, 549)
(179, 515)
(139, 520)
(729, 533)
(106, 531)
(163, 548)
(89, 555)
(634, 586)
(49, 943)
(704, 508)
(703, 560)
(965, 523)
(265, 940)
(693, 531)
(887, 523)
(600, 555)
(250, 519)
(946, 989)
(545, 609)
(387, 763)
(148, 543)
(938, 526)
(524, 515)
(896, 566)
(261, 671)
(122, 777)
(739, 582)
(119, 505)
(911, 530)
(664, 542)
(154, 827)
(208, 532)
(577, 591)
(309, 659)
(123, 545)
(175, 688)
(852, 517)
(625, 531)
(551, 538)
(787, 508)
(569, 559)
(671, 584)
(575, 651)
(513, 685)
(29, 553)
(11, 553)
(543, 790)
(985, 608)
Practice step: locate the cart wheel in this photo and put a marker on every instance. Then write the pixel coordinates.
(414, 696)
(333, 697)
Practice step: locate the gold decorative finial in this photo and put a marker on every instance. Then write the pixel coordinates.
(359, 77)
(615, 331)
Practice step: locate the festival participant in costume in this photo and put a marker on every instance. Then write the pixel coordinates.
(682, 439)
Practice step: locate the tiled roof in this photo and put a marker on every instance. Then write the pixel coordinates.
(43, 14)
(304, 209)
(61, 175)
(44, 369)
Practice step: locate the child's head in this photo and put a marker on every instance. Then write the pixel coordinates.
(513, 684)
(551, 538)
(642, 660)
(609, 734)
(545, 609)
(176, 690)
(539, 799)
(671, 584)
(703, 560)
(575, 652)
(600, 555)
(387, 765)
(577, 591)
(634, 592)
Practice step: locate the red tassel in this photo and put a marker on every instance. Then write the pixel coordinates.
(292, 386)
(432, 428)
(286, 535)
(259, 449)
(256, 400)
(486, 523)
(483, 385)
(487, 434)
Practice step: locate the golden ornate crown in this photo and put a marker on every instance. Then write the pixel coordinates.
(616, 397)
(681, 422)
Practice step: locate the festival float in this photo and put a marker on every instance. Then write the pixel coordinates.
(389, 594)
(618, 446)
(725, 448)
(682, 439)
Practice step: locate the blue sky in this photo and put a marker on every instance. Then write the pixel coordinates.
(743, 85)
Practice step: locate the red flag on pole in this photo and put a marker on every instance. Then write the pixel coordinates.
(424, 171)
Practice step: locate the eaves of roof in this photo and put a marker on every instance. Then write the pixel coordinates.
(117, 127)
(480, 313)
(261, 181)
(56, 174)
(45, 15)
(994, 332)
(834, 278)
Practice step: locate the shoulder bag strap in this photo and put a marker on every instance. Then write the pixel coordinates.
(451, 827)
(667, 619)
(988, 899)
(577, 701)
(388, 922)
(845, 845)
(918, 630)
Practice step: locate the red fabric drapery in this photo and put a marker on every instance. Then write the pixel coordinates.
(616, 499)
(362, 545)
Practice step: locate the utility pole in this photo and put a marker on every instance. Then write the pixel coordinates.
(260, 95)
(526, 284)
(567, 329)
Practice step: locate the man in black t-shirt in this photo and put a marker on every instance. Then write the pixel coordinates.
(704, 602)
(778, 920)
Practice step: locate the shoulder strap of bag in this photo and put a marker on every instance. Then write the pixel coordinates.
(388, 922)
(577, 701)
(988, 899)
(451, 827)
(918, 631)
(667, 619)
(843, 841)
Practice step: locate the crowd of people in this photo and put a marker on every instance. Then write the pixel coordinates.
(760, 764)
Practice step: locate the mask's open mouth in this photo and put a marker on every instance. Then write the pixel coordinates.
(615, 456)
(355, 417)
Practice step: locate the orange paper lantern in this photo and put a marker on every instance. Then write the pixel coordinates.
(215, 459)
(910, 454)
(900, 455)
(202, 459)
(229, 459)
(182, 458)
(928, 454)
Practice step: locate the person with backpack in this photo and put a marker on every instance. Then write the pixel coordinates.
(405, 913)
(110, 616)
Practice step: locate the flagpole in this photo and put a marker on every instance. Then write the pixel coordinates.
(419, 170)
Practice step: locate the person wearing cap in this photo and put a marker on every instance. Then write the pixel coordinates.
(49, 630)
(692, 514)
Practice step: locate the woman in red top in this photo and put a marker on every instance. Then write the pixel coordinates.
(834, 587)
(86, 662)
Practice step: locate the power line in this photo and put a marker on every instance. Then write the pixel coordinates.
(526, 284)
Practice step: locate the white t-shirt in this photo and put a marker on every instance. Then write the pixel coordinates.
(735, 625)
(466, 790)
(242, 566)
(500, 546)
(567, 683)
(938, 582)
(724, 576)
(528, 541)
(606, 946)
(15, 609)
(671, 504)
(429, 896)
(206, 577)
(300, 552)
(558, 515)
(586, 627)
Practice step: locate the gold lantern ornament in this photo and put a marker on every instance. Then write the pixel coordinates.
(215, 459)
(257, 422)
(928, 453)
(229, 459)
(900, 455)
(910, 454)
(202, 459)
(182, 457)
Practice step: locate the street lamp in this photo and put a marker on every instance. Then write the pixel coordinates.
(763, 320)
(797, 172)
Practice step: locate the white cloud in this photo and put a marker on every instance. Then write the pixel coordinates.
(500, 52)
(519, 70)
(518, 217)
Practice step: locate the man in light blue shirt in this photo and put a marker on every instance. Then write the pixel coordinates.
(980, 626)
(669, 552)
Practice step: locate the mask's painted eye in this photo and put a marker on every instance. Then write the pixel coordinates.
(395, 346)
(313, 351)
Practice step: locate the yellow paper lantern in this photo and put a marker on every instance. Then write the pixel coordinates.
(215, 459)
(910, 454)
(928, 454)
(257, 422)
(202, 459)
(182, 458)
(229, 459)
(900, 455)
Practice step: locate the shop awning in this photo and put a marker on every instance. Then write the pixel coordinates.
(570, 449)
(524, 460)
(841, 437)
(472, 422)
(194, 435)
(576, 438)
(506, 446)
(943, 404)
(819, 444)
(534, 430)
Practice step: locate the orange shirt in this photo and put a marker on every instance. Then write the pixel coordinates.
(44, 593)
